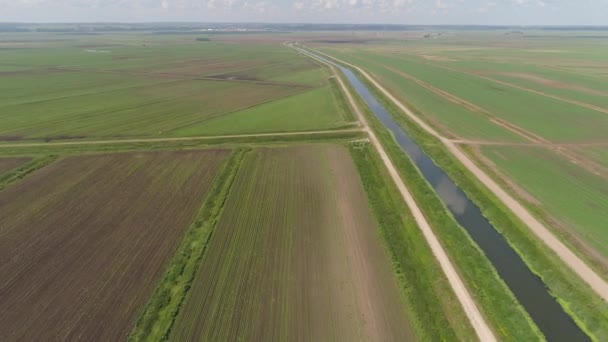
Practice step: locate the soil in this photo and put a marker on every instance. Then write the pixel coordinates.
(84, 240)
(7, 164)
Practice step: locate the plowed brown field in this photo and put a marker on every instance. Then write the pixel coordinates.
(296, 256)
(7, 164)
(83, 241)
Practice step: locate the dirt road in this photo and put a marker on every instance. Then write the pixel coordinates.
(123, 141)
(538, 92)
(464, 297)
(578, 266)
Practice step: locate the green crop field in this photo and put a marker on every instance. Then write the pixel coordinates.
(537, 114)
(292, 257)
(498, 88)
(598, 154)
(576, 198)
(134, 86)
(170, 182)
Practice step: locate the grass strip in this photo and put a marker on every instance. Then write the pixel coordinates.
(157, 318)
(538, 211)
(576, 297)
(433, 309)
(347, 114)
(331, 136)
(504, 313)
(35, 164)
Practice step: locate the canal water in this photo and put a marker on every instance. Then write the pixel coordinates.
(529, 289)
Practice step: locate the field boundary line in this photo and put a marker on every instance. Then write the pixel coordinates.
(158, 316)
(537, 92)
(523, 144)
(24, 170)
(580, 160)
(196, 138)
(178, 76)
(221, 115)
(470, 106)
(576, 264)
(482, 329)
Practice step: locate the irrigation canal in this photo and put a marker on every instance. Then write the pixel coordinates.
(529, 289)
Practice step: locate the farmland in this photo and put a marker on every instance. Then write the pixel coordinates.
(492, 93)
(90, 235)
(297, 264)
(575, 196)
(128, 86)
(7, 164)
(201, 185)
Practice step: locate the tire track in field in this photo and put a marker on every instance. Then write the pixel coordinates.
(481, 327)
(172, 75)
(576, 264)
(537, 92)
(573, 157)
(177, 139)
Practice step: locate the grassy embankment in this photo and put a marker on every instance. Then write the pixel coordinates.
(300, 264)
(562, 191)
(433, 309)
(504, 313)
(35, 164)
(195, 143)
(588, 310)
(508, 319)
(159, 314)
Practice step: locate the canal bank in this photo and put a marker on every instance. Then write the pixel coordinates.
(525, 285)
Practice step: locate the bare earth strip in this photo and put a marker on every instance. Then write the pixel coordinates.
(484, 332)
(578, 266)
(295, 257)
(84, 240)
(128, 141)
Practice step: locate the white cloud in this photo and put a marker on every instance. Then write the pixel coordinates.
(260, 7)
(356, 6)
(220, 4)
(298, 5)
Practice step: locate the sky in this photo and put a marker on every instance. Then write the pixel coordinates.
(414, 12)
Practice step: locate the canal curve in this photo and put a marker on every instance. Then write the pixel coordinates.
(527, 287)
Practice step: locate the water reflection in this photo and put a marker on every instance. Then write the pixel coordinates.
(525, 285)
(453, 199)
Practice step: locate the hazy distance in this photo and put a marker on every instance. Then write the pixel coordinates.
(437, 12)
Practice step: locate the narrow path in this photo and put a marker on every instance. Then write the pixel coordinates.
(144, 140)
(470, 106)
(525, 144)
(484, 333)
(180, 76)
(579, 159)
(538, 92)
(578, 266)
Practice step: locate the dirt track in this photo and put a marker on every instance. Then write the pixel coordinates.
(586, 163)
(599, 285)
(174, 75)
(484, 332)
(555, 97)
(127, 141)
